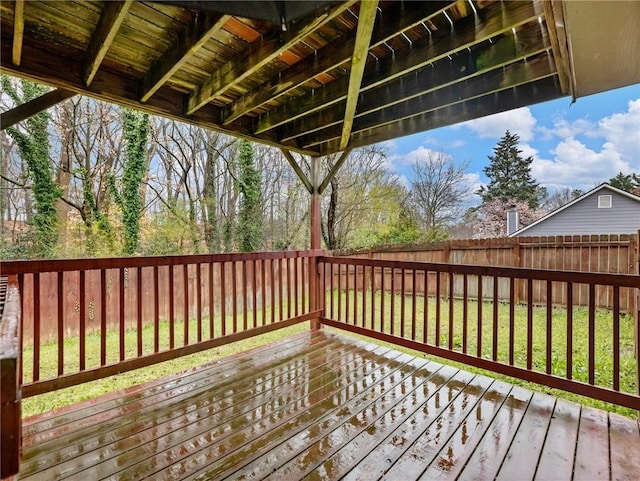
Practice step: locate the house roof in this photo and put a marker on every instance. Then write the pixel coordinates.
(603, 186)
(325, 76)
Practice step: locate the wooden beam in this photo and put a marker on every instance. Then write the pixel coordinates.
(123, 90)
(237, 70)
(510, 77)
(397, 18)
(444, 73)
(366, 21)
(110, 20)
(555, 24)
(298, 170)
(194, 36)
(33, 107)
(502, 18)
(334, 170)
(542, 91)
(18, 31)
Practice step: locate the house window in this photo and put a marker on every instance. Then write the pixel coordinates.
(604, 202)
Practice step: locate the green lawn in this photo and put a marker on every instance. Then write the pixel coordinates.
(603, 337)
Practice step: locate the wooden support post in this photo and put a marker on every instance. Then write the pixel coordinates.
(10, 394)
(316, 240)
(636, 312)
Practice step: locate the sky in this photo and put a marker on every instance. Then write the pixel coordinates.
(577, 145)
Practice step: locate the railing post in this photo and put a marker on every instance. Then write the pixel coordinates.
(10, 394)
(316, 241)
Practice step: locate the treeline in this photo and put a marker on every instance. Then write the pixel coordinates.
(86, 178)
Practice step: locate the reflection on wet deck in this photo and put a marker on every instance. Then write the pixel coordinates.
(322, 406)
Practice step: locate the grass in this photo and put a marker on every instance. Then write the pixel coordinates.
(603, 346)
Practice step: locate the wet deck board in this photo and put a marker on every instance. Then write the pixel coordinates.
(325, 406)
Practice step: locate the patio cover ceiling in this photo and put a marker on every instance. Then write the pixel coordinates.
(320, 77)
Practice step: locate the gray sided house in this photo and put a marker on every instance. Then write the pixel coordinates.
(603, 210)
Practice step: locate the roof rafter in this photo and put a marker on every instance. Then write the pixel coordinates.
(237, 70)
(421, 53)
(366, 22)
(332, 55)
(18, 31)
(111, 18)
(466, 65)
(194, 36)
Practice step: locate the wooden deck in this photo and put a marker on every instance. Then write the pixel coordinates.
(324, 406)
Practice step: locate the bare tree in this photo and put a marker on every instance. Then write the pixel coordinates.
(438, 190)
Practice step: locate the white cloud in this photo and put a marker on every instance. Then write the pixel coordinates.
(518, 121)
(622, 133)
(418, 154)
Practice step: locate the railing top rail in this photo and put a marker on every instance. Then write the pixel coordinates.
(10, 321)
(60, 265)
(619, 280)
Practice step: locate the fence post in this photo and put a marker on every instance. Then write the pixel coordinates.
(636, 309)
(10, 395)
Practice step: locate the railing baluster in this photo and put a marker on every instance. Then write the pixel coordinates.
(156, 310)
(263, 296)
(245, 296)
(296, 265)
(512, 301)
(549, 326)
(331, 283)
(425, 312)
(223, 298)
(172, 316)
(103, 317)
(234, 296)
(413, 304)
(392, 300)
(82, 320)
(212, 333)
(254, 285)
(346, 293)
(496, 301)
(382, 295)
(569, 330)
(139, 310)
(616, 338)
(355, 295)
(36, 326)
(373, 297)
(121, 317)
(198, 268)
(592, 332)
(305, 283)
(273, 291)
(364, 295)
(451, 313)
(465, 314)
(288, 277)
(479, 351)
(438, 307)
(529, 323)
(185, 286)
(339, 292)
(280, 291)
(60, 322)
(402, 302)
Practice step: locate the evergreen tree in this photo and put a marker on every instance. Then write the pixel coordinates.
(510, 175)
(250, 214)
(628, 183)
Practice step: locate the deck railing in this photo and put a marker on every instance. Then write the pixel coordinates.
(106, 316)
(10, 395)
(508, 320)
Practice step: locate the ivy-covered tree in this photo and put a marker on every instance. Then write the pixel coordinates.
(33, 145)
(510, 175)
(249, 228)
(136, 129)
(628, 182)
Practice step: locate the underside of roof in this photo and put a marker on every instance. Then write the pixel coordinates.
(326, 76)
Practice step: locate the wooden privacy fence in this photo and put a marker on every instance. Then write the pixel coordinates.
(155, 308)
(612, 254)
(540, 339)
